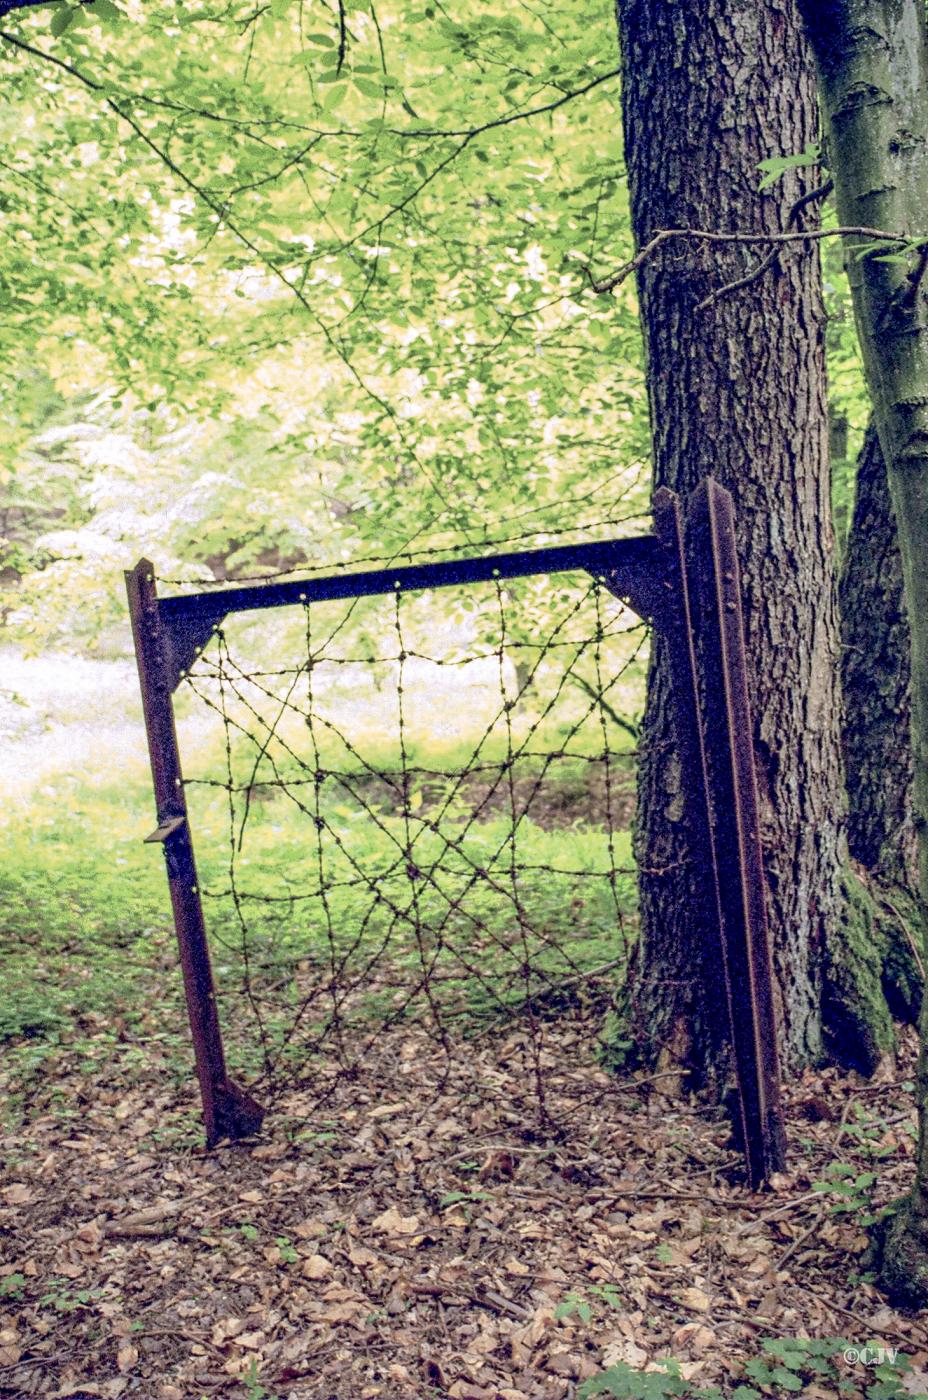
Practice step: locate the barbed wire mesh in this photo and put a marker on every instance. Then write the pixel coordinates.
(540, 533)
(414, 808)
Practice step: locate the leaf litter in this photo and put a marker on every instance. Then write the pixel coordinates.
(426, 1231)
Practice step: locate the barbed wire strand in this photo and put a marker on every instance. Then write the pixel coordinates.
(445, 870)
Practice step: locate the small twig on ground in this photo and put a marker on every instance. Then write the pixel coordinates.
(866, 1327)
(485, 1299)
(842, 1126)
(801, 1239)
(781, 1209)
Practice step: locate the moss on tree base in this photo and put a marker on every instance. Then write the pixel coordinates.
(899, 1252)
(870, 975)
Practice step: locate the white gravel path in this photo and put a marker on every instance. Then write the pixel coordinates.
(66, 716)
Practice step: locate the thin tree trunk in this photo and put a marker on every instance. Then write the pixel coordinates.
(872, 57)
(875, 679)
(875, 674)
(737, 390)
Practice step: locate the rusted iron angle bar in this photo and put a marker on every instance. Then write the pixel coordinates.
(629, 566)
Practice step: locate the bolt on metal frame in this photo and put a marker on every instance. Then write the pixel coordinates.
(683, 579)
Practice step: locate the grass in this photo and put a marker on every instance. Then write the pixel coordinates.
(86, 941)
(433, 901)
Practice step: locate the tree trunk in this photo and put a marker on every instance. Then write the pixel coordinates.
(737, 389)
(875, 680)
(872, 58)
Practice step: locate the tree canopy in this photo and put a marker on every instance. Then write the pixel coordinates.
(296, 285)
(348, 244)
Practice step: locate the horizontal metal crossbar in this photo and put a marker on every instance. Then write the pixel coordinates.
(632, 569)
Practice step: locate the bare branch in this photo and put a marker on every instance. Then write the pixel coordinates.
(710, 236)
(6, 6)
(773, 256)
(472, 131)
(342, 38)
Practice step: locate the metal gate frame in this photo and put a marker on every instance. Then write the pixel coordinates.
(683, 579)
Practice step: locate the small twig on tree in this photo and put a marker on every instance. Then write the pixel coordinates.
(884, 899)
(609, 284)
(810, 197)
(754, 276)
(873, 885)
(7, 6)
(773, 256)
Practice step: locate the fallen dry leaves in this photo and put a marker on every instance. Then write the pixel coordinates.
(421, 1235)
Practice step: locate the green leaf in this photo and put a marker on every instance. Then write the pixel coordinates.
(62, 18)
(786, 1378)
(775, 166)
(105, 10)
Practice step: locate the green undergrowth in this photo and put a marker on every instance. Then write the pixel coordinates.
(89, 965)
(835, 1366)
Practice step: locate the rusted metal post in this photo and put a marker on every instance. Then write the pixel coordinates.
(674, 620)
(714, 600)
(691, 594)
(228, 1112)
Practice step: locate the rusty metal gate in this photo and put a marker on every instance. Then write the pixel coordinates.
(683, 579)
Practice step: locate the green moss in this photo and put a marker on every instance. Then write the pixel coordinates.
(900, 1252)
(901, 922)
(856, 1020)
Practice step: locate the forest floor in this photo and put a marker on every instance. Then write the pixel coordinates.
(426, 1232)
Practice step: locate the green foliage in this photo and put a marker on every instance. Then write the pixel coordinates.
(775, 166)
(89, 958)
(324, 324)
(288, 1254)
(254, 1390)
(64, 1299)
(575, 1303)
(13, 1286)
(852, 1189)
(786, 1366)
(288, 311)
(622, 1381)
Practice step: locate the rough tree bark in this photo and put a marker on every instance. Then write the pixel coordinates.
(872, 57)
(737, 390)
(875, 672)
